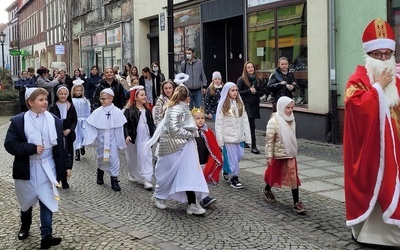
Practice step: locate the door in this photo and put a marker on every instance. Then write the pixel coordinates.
(235, 48)
(214, 56)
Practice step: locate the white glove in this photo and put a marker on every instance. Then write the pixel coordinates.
(289, 87)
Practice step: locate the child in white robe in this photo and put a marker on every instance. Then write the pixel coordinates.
(105, 125)
(232, 129)
(178, 172)
(82, 107)
(35, 138)
(138, 130)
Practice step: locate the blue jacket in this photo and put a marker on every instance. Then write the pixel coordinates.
(17, 144)
(21, 85)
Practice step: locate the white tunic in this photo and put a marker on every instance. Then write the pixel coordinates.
(105, 125)
(39, 129)
(82, 107)
(139, 161)
(178, 172)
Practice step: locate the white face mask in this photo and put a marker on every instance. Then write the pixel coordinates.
(189, 57)
(155, 69)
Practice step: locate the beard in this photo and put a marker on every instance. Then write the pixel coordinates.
(376, 67)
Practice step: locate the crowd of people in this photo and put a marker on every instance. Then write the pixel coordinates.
(164, 121)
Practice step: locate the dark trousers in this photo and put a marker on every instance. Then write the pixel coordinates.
(46, 220)
(252, 122)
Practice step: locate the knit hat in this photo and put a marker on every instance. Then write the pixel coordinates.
(216, 74)
(378, 35)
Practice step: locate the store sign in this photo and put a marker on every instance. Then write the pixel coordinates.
(98, 39)
(162, 21)
(283, 42)
(114, 36)
(60, 49)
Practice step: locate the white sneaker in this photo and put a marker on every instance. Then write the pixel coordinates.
(131, 178)
(195, 209)
(159, 203)
(147, 185)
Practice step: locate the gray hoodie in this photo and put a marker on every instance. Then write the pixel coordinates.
(197, 78)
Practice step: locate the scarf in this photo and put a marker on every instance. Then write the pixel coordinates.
(287, 133)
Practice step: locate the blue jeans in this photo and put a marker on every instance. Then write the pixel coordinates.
(46, 219)
(196, 100)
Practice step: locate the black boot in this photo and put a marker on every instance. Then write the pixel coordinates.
(49, 241)
(77, 155)
(114, 183)
(83, 151)
(100, 175)
(26, 221)
(254, 150)
(64, 183)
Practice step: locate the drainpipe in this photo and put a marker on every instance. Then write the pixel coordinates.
(170, 19)
(333, 113)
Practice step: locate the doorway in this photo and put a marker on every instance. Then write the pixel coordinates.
(223, 48)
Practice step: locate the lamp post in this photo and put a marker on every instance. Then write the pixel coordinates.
(2, 39)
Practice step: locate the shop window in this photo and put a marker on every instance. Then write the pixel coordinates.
(280, 32)
(186, 34)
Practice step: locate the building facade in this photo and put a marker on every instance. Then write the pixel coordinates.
(101, 33)
(12, 40)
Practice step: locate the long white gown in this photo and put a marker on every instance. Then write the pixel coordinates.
(82, 107)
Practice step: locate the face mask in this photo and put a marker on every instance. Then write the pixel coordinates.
(155, 69)
(189, 57)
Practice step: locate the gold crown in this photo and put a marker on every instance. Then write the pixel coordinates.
(197, 110)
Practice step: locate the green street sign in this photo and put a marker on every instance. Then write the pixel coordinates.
(15, 52)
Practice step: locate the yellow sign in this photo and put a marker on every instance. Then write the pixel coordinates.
(283, 42)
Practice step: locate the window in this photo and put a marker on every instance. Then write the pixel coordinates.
(286, 36)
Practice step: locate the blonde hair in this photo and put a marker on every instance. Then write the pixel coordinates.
(227, 105)
(180, 94)
(212, 87)
(77, 86)
(37, 92)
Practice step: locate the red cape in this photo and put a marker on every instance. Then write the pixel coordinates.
(370, 151)
(213, 166)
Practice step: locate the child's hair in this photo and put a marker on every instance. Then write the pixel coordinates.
(132, 98)
(181, 93)
(227, 105)
(212, 87)
(166, 82)
(196, 111)
(77, 86)
(134, 78)
(37, 92)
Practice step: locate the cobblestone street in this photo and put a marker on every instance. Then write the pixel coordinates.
(96, 217)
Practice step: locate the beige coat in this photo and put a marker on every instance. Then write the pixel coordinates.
(274, 147)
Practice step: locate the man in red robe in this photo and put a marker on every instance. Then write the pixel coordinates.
(371, 145)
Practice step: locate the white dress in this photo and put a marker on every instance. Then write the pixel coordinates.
(82, 107)
(139, 161)
(105, 125)
(180, 172)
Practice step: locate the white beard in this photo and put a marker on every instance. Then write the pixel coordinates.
(375, 67)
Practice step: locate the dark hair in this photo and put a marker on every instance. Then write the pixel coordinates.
(158, 65)
(31, 70)
(191, 49)
(94, 67)
(146, 69)
(166, 82)
(42, 70)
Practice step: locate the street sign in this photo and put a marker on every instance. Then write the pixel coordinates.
(15, 52)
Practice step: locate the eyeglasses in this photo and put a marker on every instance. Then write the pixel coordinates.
(103, 99)
(378, 54)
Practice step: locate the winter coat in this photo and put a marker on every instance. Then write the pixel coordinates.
(22, 85)
(90, 85)
(211, 101)
(49, 86)
(232, 129)
(197, 77)
(156, 86)
(274, 147)
(132, 117)
(251, 101)
(277, 89)
(119, 95)
(17, 144)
